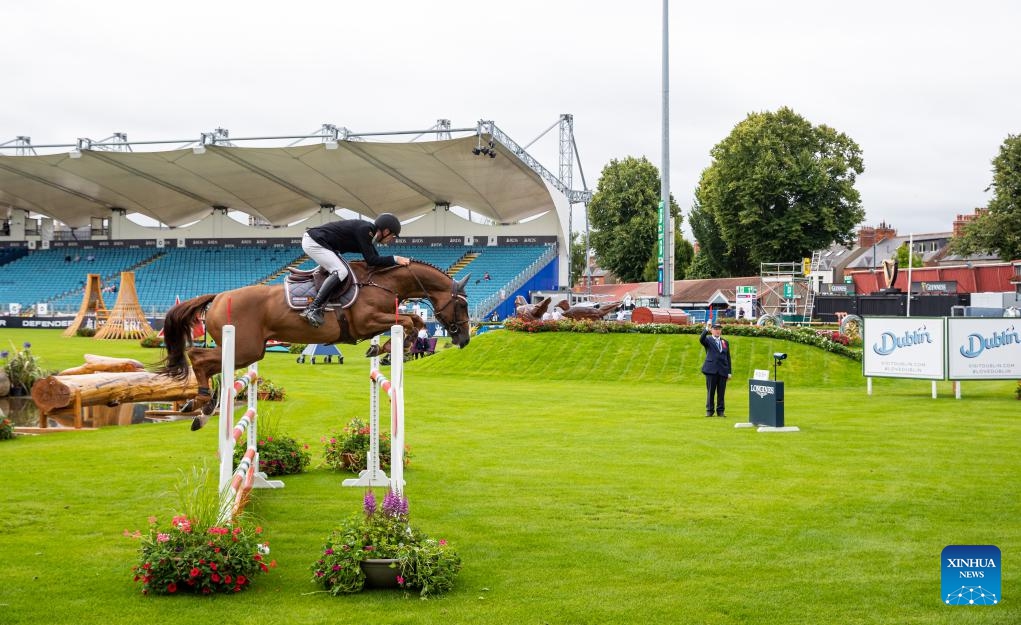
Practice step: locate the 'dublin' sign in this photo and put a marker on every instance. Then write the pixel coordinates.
(984, 348)
(904, 347)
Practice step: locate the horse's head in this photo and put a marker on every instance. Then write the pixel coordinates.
(453, 313)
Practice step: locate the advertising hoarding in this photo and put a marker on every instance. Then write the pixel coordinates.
(904, 347)
(984, 348)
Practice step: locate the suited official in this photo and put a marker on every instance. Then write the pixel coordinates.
(716, 368)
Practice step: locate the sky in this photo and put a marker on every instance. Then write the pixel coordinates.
(928, 89)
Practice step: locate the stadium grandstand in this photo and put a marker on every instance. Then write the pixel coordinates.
(199, 216)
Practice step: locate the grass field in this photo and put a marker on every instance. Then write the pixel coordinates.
(578, 479)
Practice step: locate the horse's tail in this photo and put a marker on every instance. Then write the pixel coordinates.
(177, 335)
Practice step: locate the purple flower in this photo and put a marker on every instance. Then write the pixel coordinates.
(370, 503)
(394, 504)
(27, 345)
(5, 354)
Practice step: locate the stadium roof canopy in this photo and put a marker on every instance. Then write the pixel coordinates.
(278, 184)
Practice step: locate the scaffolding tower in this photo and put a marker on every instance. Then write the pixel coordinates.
(785, 290)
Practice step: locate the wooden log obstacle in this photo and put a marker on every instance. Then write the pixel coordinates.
(373, 474)
(103, 382)
(236, 483)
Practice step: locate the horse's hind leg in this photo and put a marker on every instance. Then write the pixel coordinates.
(205, 363)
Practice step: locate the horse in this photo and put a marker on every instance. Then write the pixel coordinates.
(260, 312)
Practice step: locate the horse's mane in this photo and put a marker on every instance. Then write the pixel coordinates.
(378, 270)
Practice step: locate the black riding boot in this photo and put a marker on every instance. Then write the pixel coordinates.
(314, 313)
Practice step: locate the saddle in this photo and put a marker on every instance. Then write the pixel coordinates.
(301, 287)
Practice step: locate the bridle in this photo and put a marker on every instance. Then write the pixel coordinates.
(452, 327)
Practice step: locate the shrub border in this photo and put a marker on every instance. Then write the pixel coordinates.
(798, 334)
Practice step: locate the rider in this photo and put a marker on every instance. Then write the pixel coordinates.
(325, 243)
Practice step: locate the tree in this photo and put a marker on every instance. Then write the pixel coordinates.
(902, 257)
(683, 253)
(578, 252)
(709, 262)
(623, 213)
(779, 188)
(998, 230)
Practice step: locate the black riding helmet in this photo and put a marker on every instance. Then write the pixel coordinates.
(387, 221)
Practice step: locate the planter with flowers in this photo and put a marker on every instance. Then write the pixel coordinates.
(379, 547)
(279, 454)
(348, 449)
(22, 368)
(6, 429)
(195, 553)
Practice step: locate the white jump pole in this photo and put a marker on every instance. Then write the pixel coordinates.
(373, 474)
(397, 410)
(236, 482)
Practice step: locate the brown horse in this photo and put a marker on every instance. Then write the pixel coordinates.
(260, 312)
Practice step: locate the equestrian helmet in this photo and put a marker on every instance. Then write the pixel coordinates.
(386, 221)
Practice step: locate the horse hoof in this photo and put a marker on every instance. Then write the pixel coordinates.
(188, 406)
(372, 352)
(197, 423)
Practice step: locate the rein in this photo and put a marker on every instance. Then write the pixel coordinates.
(453, 326)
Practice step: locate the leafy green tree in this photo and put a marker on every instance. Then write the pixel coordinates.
(998, 231)
(701, 267)
(709, 262)
(902, 257)
(578, 257)
(623, 213)
(683, 253)
(779, 188)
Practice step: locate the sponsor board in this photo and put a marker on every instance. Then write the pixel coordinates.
(984, 348)
(904, 347)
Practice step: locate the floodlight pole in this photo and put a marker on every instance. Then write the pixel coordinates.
(666, 223)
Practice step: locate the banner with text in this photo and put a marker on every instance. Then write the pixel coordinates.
(904, 347)
(984, 348)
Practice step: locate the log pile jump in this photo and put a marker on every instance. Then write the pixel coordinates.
(104, 381)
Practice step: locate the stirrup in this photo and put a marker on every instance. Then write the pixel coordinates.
(313, 315)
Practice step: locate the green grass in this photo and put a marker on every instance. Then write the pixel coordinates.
(579, 481)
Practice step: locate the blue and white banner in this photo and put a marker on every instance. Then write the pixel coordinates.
(904, 347)
(984, 348)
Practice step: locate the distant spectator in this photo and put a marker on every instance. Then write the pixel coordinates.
(90, 258)
(67, 258)
(620, 314)
(77, 258)
(486, 276)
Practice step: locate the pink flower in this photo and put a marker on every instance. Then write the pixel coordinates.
(152, 520)
(443, 542)
(161, 537)
(400, 580)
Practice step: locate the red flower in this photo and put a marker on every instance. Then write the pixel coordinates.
(171, 587)
(215, 577)
(195, 572)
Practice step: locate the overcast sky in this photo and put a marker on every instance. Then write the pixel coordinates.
(928, 89)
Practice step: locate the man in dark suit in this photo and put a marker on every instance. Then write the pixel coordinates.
(716, 368)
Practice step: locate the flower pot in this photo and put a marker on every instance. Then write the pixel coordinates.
(349, 460)
(379, 573)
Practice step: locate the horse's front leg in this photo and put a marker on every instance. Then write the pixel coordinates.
(410, 322)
